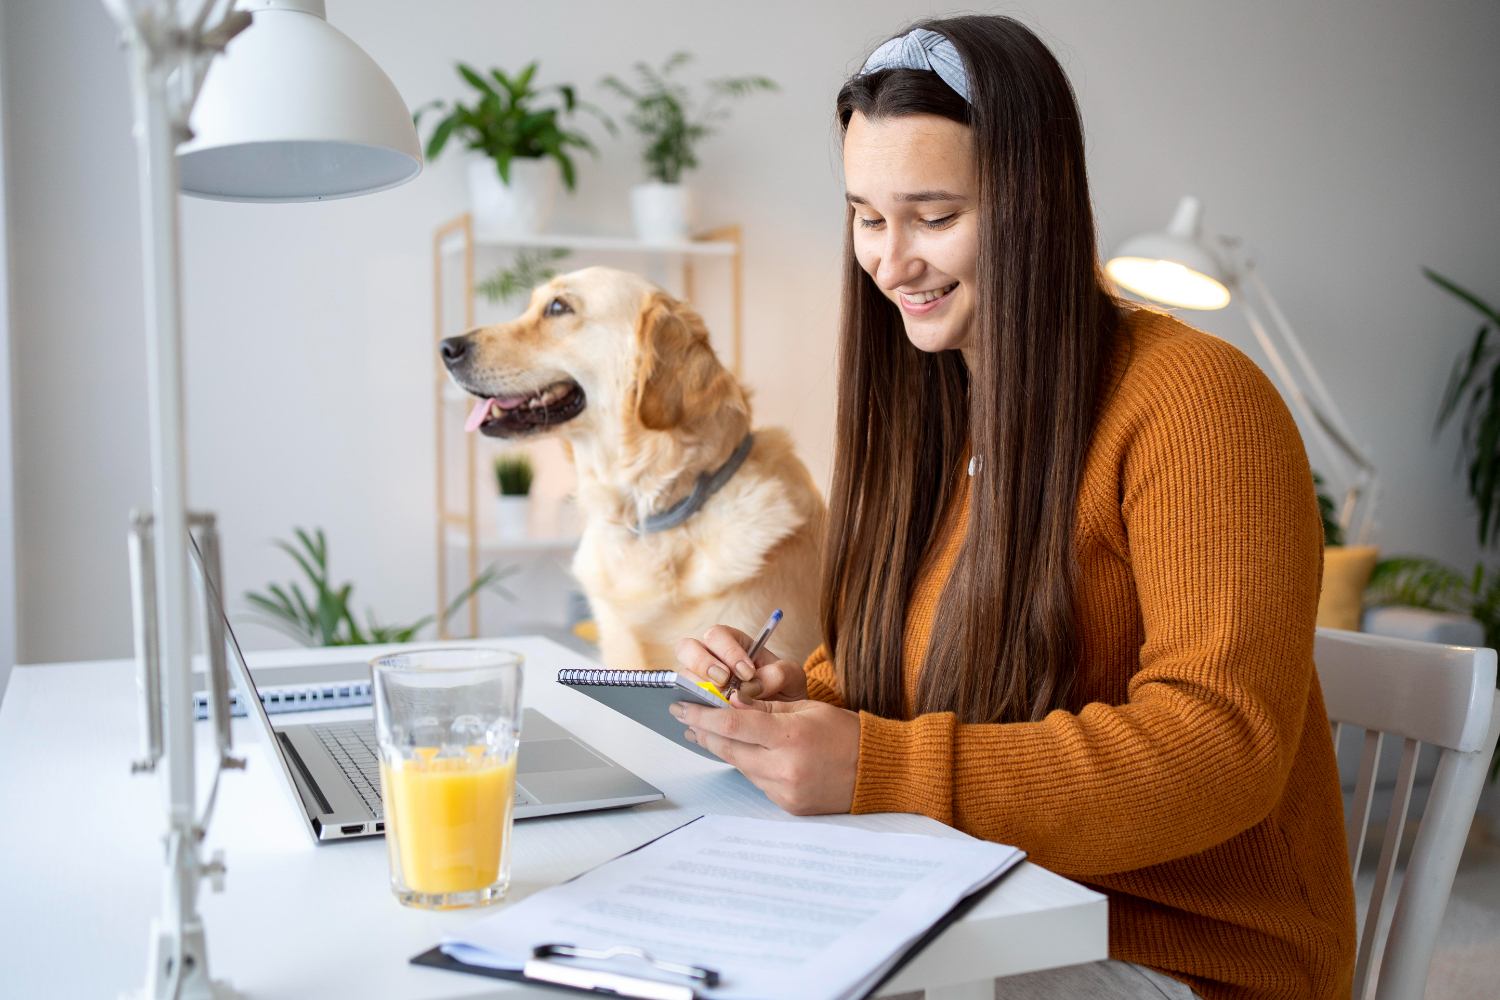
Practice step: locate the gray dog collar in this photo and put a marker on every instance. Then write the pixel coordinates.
(706, 486)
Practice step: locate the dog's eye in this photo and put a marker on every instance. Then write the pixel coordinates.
(557, 307)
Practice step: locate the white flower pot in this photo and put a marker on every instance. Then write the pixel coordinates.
(520, 208)
(662, 212)
(512, 518)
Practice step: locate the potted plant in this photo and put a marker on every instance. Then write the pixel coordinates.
(323, 615)
(513, 475)
(1418, 581)
(664, 114)
(522, 145)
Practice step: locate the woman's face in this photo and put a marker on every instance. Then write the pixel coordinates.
(910, 181)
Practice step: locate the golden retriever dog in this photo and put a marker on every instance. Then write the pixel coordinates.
(625, 374)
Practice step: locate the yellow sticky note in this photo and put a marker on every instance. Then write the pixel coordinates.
(713, 690)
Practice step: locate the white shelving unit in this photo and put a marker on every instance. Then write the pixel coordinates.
(707, 247)
(556, 543)
(456, 242)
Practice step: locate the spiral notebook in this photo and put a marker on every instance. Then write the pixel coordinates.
(645, 696)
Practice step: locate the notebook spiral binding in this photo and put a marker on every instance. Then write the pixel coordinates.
(617, 678)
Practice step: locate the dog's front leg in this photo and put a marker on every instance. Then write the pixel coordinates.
(619, 647)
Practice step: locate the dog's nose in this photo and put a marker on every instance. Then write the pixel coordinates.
(453, 349)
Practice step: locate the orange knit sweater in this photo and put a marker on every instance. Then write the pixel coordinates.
(1193, 779)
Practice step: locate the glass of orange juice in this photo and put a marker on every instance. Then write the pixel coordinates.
(448, 722)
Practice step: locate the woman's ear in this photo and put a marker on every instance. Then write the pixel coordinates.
(678, 376)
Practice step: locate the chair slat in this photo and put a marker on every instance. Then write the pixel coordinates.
(1370, 681)
(1420, 693)
(1377, 915)
(1358, 817)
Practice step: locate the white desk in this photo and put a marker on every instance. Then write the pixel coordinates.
(80, 858)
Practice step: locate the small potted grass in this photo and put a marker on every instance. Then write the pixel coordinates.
(513, 474)
(672, 123)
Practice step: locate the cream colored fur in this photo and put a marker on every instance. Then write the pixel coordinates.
(661, 411)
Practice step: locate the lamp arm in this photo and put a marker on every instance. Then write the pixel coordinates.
(1329, 415)
(166, 60)
(1325, 424)
(1355, 470)
(210, 42)
(205, 11)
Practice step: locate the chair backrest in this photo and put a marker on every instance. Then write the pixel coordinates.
(1419, 692)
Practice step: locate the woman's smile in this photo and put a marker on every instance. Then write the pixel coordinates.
(922, 303)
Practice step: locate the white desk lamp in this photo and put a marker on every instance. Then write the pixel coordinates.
(1180, 267)
(293, 112)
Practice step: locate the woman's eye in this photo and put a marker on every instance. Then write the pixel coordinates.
(557, 307)
(929, 223)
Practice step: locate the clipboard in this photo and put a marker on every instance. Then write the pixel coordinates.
(616, 984)
(542, 970)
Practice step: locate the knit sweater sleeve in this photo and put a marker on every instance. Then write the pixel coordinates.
(1224, 543)
(822, 685)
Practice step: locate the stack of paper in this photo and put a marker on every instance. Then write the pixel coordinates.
(778, 908)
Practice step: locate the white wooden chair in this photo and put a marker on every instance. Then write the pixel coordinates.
(1419, 692)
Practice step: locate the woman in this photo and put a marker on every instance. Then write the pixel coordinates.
(1073, 556)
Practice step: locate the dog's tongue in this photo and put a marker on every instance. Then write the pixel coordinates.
(481, 409)
(477, 415)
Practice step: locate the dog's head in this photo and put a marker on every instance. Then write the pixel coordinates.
(597, 348)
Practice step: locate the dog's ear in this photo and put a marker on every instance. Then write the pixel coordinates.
(678, 373)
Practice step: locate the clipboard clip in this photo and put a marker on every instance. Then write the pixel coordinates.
(542, 966)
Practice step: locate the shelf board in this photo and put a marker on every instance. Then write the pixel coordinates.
(580, 241)
(567, 543)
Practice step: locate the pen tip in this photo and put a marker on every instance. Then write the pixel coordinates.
(776, 615)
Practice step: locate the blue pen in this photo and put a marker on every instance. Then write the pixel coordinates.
(765, 633)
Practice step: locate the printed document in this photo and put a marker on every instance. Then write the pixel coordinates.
(778, 908)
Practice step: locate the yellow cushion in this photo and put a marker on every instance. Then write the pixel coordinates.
(1346, 574)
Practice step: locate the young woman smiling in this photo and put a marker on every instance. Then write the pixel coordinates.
(1073, 556)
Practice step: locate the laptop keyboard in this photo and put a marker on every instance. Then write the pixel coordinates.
(352, 746)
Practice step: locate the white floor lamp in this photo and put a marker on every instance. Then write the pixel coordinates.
(1182, 267)
(293, 111)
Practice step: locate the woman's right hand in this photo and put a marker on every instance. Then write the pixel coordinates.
(721, 655)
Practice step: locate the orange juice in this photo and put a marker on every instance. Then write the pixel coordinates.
(447, 818)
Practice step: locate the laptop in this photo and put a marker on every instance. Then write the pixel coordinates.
(333, 768)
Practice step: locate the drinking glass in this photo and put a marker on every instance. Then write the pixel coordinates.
(448, 722)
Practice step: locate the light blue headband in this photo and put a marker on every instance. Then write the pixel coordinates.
(922, 48)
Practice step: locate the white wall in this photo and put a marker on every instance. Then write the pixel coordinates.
(7, 462)
(1350, 142)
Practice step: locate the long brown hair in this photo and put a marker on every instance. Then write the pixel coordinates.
(1003, 644)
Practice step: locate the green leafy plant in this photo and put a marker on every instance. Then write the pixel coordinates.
(326, 618)
(1332, 533)
(513, 475)
(507, 120)
(530, 268)
(665, 114)
(1475, 386)
(1415, 581)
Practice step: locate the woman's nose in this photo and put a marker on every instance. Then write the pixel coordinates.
(898, 265)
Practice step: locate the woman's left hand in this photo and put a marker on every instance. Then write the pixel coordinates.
(802, 754)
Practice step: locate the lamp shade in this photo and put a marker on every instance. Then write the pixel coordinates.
(295, 111)
(1173, 267)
